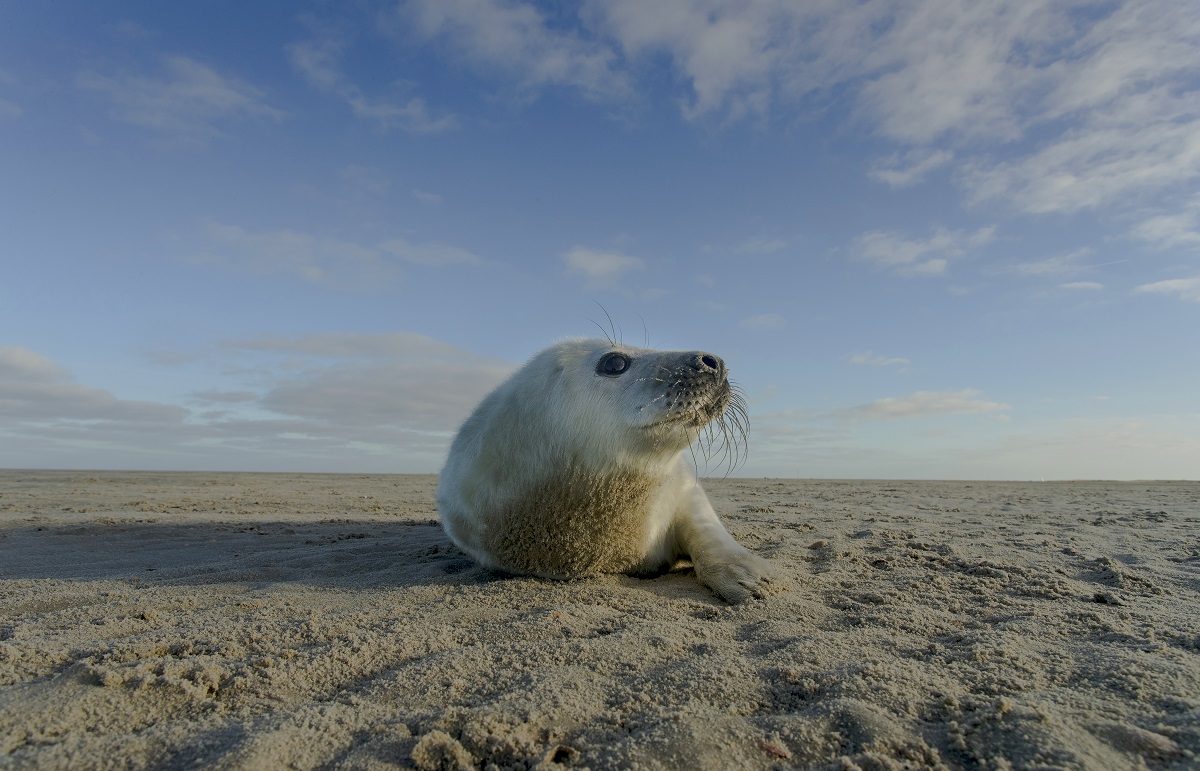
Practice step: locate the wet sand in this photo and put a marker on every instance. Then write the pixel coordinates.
(152, 620)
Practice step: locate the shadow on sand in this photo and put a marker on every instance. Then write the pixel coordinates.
(327, 553)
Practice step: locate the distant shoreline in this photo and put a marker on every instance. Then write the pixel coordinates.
(102, 471)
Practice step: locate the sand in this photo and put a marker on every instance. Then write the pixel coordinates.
(156, 620)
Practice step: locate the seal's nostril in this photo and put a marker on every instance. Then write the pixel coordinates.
(706, 363)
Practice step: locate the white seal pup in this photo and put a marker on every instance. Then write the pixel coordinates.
(576, 466)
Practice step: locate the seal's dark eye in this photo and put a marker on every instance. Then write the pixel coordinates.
(613, 364)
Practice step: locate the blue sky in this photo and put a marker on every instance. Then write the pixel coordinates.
(932, 239)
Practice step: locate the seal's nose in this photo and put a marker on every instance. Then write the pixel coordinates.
(706, 362)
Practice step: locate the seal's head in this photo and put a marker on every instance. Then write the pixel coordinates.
(640, 400)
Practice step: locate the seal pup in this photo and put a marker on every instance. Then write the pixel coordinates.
(576, 466)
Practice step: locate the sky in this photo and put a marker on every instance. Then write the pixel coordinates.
(932, 239)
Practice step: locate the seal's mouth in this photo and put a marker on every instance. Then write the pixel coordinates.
(695, 407)
(679, 421)
(716, 429)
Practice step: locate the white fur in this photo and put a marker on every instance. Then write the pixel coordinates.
(562, 471)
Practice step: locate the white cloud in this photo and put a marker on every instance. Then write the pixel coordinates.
(601, 269)
(1068, 262)
(516, 40)
(428, 254)
(353, 345)
(1046, 105)
(1180, 229)
(921, 70)
(367, 179)
(1086, 286)
(10, 109)
(426, 197)
(187, 103)
(318, 61)
(1139, 149)
(872, 360)
(319, 260)
(130, 30)
(760, 245)
(918, 256)
(920, 404)
(333, 402)
(736, 57)
(1185, 288)
(1096, 104)
(36, 391)
(1123, 91)
(909, 168)
(362, 384)
(958, 69)
(217, 395)
(1155, 447)
(764, 321)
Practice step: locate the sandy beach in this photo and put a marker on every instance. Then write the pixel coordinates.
(171, 620)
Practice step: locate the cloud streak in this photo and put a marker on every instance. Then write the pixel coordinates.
(761, 245)
(1180, 229)
(318, 260)
(318, 62)
(36, 391)
(601, 269)
(921, 404)
(339, 402)
(1109, 90)
(1054, 265)
(870, 359)
(909, 256)
(763, 322)
(188, 102)
(1184, 288)
(372, 384)
(1042, 105)
(518, 41)
(428, 254)
(907, 169)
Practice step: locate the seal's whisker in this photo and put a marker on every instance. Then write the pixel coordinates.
(733, 424)
(728, 448)
(613, 333)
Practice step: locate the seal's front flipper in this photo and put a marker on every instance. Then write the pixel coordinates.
(738, 576)
(722, 564)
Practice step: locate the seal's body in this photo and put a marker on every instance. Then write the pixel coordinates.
(575, 466)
